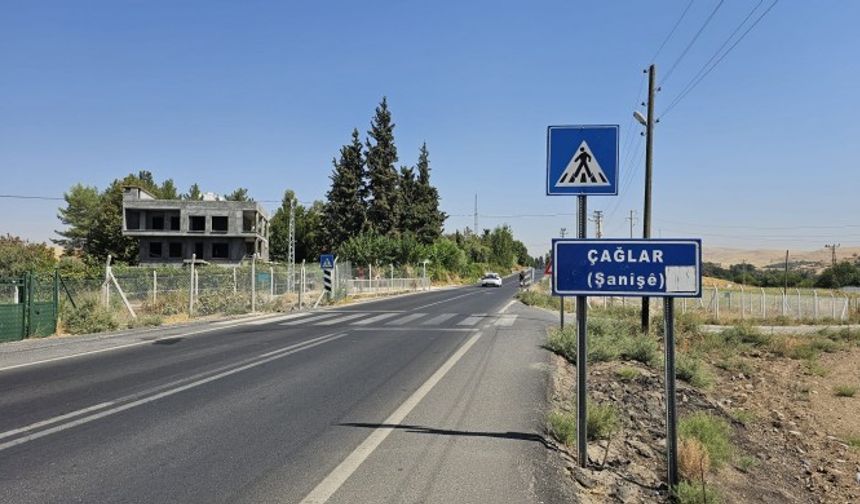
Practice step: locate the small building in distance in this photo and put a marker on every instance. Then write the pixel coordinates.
(211, 230)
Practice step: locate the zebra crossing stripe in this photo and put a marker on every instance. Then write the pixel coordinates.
(309, 319)
(338, 320)
(506, 320)
(472, 320)
(438, 319)
(408, 318)
(375, 318)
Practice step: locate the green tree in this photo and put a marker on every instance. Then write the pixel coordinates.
(18, 256)
(842, 274)
(410, 214)
(383, 210)
(240, 194)
(82, 207)
(168, 190)
(345, 211)
(194, 193)
(425, 201)
(105, 236)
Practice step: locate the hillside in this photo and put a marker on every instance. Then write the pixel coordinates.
(764, 257)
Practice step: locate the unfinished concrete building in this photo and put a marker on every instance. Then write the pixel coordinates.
(211, 230)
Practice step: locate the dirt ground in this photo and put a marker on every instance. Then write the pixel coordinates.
(790, 431)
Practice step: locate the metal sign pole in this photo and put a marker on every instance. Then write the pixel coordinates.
(671, 411)
(581, 350)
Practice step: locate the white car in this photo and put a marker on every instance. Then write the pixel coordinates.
(491, 280)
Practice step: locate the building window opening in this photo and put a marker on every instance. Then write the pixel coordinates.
(155, 250)
(197, 223)
(219, 224)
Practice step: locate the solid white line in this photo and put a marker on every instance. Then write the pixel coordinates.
(446, 300)
(335, 479)
(55, 419)
(118, 347)
(283, 352)
(505, 308)
(375, 318)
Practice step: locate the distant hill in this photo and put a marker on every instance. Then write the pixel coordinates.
(819, 258)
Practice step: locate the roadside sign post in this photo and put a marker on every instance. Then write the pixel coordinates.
(581, 161)
(666, 268)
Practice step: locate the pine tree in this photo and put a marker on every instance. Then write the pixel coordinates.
(425, 201)
(193, 193)
(410, 215)
(345, 211)
(382, 210)
(168, 190)
(82, 209)
(240, 194)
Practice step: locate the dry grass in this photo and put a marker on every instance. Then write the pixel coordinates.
(693, 459)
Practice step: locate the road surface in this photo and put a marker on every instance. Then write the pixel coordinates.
(434, 398)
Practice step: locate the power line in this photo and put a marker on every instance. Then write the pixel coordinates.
(696, 80)
(27, 197)
(672, 31)
(692, 42)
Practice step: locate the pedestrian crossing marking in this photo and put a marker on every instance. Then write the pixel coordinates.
(438, 319)
(408, 318)
(309, 319)
(583, 169)
(344, 318)
(471, 320)
(506, 320)
(375, 318)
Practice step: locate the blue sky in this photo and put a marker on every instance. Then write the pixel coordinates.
(762, 154)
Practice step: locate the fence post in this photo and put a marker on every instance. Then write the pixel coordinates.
(784, 303)
(844, 309)
(799, 308)
(235, 286)
(254, 283)
(154, 286)
(106, 287)
(391, 286)
(302, 285)
(271, 282)
(763, 304)
(717, 303)
(191, 287)
(743, 307)
(832, 305)
(683, 305)
(814, 304)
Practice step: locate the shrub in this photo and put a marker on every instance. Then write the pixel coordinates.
(844, 390)
(602, 421)
(745, 334)
(627, 374)
(692, 370)
(145, 321)
(693, 459)
(562, 426)
(89, 317)
(712, 432)
(696, 493)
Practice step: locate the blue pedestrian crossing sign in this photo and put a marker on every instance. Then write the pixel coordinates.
(327, 261)
(582, 160)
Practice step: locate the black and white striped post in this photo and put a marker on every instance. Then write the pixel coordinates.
(327, 283)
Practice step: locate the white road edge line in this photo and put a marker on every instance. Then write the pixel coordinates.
(511, 302)
(283, 352)
(335, 479)
(118, 347)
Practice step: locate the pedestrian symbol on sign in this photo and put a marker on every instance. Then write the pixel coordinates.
(583, 169)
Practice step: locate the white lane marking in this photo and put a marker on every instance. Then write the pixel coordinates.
(309, 319)
(438, 319)
(408, 318)
(335, 479)
(284, 352)
(472, 320)
(118, 347)
(338, 320)
(272, 320)
(505, 308)
(506, 320)
(446, 300)
(56, 419)
(375, 318)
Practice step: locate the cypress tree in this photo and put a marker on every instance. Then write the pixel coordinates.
(410, 220)
(345, 210)
(383, 210)
(429, 219)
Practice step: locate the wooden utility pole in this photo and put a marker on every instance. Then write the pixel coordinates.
(649, 158)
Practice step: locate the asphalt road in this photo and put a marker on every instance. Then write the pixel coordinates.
(437, 397)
